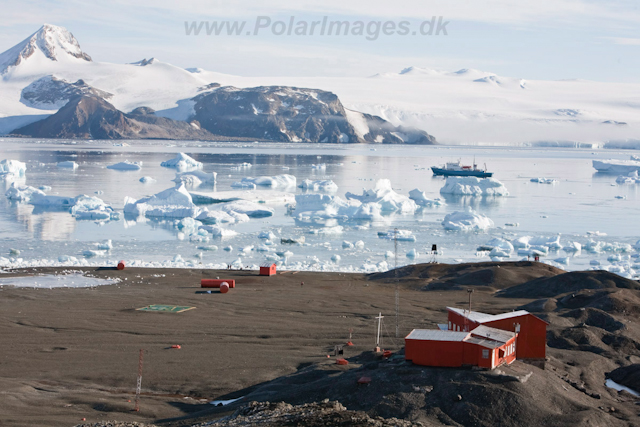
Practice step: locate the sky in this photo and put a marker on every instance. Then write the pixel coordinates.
(543, 39)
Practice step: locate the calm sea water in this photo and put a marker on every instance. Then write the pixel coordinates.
(582, 201)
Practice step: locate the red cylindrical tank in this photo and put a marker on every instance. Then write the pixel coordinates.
(120, 265)
(224, 287)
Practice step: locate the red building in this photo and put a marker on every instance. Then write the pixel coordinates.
(532, 336)
(268, 269)
(483, 346)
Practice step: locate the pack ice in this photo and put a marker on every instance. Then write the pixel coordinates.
(472, 186)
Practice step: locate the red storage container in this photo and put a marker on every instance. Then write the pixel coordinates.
(215, 283)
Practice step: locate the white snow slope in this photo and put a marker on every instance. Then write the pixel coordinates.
(462, 107)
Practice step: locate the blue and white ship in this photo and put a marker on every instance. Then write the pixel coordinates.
(456, 169)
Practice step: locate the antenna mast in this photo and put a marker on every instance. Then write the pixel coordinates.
(395, 271)
(380, 316)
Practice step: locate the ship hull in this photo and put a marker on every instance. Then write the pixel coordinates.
(476, 173)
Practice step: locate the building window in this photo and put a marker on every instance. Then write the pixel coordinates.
(485, 354)
(449, 324)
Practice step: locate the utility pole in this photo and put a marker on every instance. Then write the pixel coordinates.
(395, 270)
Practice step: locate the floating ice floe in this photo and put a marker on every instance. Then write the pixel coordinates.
(195, 178)
(147, 180)
(93, 208)
(620, 167)
(551, 242)
(412, 254)
(421, 199)
(70, 164)
(182, 162)
(572, 247)
(472, 186)
(12, 169)
(594, 246)
(498, 247)
(278, 181)
(544, 180)
(221, 217)
(171, 203)
(240, 166)
(244, 185)
(336, 229)
(319, 185)
(321, 166)
(246, 207)
(384, 196)
(632, 178)
(468, 220)
(267, 235)
(126, 166)
(327, 206)
(400, 235)
(81, 207)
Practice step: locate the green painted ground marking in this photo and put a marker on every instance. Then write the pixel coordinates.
(166, 308)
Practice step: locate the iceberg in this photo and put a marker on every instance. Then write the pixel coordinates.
(182, 162)
(126, 166)
(319, 185)
(544, 180)
(472, 186)
(468, 220)
(37, 197)
(620, 167)
(268, 235)
(12, 169)
(278, 181)
(221, 217)
(68, 165)
(400, 235)
(421, 199)
(498, 247)
(216, 231)
(552, 242)
(244, 185)
(93, 208)
(147, 179)
(171, 203)
(195, 178)
(246, 207)
(383, 195)
(632, 178)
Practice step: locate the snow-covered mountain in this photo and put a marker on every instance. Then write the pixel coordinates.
(49, 72)
(466, 106)
(48, 43)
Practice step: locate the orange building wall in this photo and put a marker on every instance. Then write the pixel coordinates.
(434, 353)
(532, 339)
